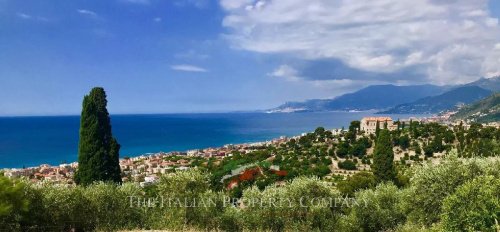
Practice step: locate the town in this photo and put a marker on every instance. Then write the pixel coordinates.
(147, 168)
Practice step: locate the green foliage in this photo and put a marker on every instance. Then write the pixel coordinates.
(355, 126)
(404, 142)
(411, 227)
(454, 195)
(377, 210)
(437, 143)
(358, 149)
(13, 203)
(293, 206)
(178, 191)
(431, 184)
(105, 198)
(485, 110)
(356, 182)
(383, 157)
(99, 206)
(428, 150)
(98, 150)
(377, 129)
(348, 165)
(343, 149)
(474, 206)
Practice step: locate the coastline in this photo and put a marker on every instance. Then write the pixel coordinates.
(147, 167)
(31, 141)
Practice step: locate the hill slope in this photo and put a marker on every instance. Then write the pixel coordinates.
(371, 97)
(492, 84)
(446, 101)
(486, 110)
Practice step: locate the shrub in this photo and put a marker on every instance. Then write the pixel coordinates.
(376, 210)
(108, 197)
(474, 206)
(67, 208)
(13, 203)
(293, 206)
(179, 187)
(348, 165)
(359, 181)
(431, 184)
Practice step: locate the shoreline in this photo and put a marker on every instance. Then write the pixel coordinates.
(258, 137)
(147, 167)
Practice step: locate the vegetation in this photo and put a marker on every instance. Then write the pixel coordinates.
(446, 101)
(486, 110)
(316, 182)
(454, 195)
(359, 181)
(98, 150)
(383, 158)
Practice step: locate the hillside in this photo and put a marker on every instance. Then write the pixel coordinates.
(401, 99)
(446, 101)
(483, 111)
(371, 97)
(492, 84)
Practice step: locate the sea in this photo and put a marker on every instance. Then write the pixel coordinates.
(31, 141)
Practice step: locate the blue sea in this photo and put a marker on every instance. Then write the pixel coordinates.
(31, 141)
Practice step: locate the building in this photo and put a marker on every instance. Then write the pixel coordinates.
(369, 124)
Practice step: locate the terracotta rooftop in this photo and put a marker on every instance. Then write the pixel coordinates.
(377, 119)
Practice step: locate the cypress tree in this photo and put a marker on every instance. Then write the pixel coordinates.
(383, 157)
(377, 128)
(98, 150)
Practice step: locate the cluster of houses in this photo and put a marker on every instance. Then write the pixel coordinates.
(369, 124)
(58, 174)
(146, 169)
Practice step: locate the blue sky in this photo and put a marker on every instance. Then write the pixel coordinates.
(165, 56)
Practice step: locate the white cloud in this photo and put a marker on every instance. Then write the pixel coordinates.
(234, 4)
(187, 68)
(87, 12)
(157, 19)
(23, 16)
(32, 17)
(287, 72)
(449, 41)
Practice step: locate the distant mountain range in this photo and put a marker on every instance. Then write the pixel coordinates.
(369, 98)
(448, 100)
(413, 99)
(486, 110)
(492, 84)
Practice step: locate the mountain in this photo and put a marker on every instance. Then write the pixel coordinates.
(446, 101)
(483, 111)
(492, 84)
(371, 97)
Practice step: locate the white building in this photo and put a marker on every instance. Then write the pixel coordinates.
(369, 124)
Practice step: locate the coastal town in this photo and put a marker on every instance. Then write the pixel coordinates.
(144, 169)
(147, 168)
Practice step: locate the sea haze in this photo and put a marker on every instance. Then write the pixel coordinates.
(31, 141)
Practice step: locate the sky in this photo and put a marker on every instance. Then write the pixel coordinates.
(176, 56)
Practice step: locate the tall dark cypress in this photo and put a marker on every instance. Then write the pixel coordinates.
(98, 151)
(383, 158)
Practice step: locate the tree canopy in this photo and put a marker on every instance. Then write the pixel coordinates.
(383, 156)
(98, 150)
